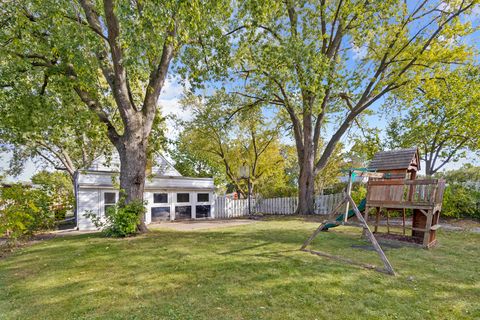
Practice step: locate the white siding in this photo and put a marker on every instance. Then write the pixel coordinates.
(88, 200)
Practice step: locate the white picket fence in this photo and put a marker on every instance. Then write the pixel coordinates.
(227, 208)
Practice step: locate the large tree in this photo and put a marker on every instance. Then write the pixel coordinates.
(219, 140)
(48, 125)
(326, 62)
(115, 55)
(444, 118)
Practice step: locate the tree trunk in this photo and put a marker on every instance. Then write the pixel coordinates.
(306, 180)
(133, 161)
(306, 192)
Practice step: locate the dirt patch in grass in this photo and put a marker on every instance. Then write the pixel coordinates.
(200, 225)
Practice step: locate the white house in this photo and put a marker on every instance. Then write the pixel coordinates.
(169, 195)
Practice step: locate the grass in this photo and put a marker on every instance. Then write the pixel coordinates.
(248, 272)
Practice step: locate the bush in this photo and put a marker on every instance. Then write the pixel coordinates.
(120, 220)
(23, 211)
(59, 187)
(460, 201)
(358, 193)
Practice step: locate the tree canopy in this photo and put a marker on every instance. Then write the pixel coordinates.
(222, 137)
(443, 117)
(324, 63)
(114, 56)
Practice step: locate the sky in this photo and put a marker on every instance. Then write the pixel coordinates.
(173, 90)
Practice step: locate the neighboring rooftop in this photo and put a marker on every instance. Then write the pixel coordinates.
(401, 159)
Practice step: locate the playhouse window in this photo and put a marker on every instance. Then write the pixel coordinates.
(183, 197)
(203, 197)
(183, 212)
(202, 211)
(109, 200)
(160, 198)
(160, 213)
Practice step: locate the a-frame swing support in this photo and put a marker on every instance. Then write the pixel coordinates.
(367, 232)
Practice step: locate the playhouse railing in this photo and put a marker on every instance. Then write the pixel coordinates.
(405, 193)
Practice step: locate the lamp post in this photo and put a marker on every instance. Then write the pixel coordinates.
(244, 172)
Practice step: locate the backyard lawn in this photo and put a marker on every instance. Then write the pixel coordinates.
(252, 271)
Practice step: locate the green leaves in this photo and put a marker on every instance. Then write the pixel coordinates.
(226, 133)
(443, 117)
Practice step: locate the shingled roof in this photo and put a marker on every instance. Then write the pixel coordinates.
(395, 159)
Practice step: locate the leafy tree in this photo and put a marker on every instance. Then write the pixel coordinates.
(23, 211)
(444, 118)
(114, 55)
(324, 62)
(468, 174)
(50, 125)
(218, 141)
(364, 147)
(462, 195)
(58, 187)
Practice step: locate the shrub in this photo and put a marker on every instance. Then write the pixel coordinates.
(358, 193)
(59, 187)
(120, 220)
(460, 201)
(24, 211)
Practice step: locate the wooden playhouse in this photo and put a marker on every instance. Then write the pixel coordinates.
(399, 190)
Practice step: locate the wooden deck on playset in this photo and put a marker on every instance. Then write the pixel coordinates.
(422, 197)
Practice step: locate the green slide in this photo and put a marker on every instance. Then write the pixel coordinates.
(351, 213)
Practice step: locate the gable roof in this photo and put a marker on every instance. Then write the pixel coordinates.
(401, 159)
(161, 166)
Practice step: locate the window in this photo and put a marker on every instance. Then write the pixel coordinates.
(183, 197)
(160, 213)
(109, 200)
(183, 212)
(202, 211)
(203, 197)
(160, 198)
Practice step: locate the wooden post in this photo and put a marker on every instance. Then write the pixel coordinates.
(377, 219)
(403, 220)
(388, 221)
(371, 237)
(368, 233)
(428, 226)
(349, 191)
(317, 231)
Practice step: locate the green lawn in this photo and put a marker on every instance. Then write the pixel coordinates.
(247, 272)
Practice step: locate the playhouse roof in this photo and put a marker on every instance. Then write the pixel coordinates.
(401, 159)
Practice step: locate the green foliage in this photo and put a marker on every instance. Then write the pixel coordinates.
(443, 118)
(460, 201)
(323, 64)
(461, 197)
(59, 188)
(222, 136)
(24, 211)
(467, 175)
(364, 148)
(359, 191)
(120, 220)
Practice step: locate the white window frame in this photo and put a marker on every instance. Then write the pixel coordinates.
(204, 203)
(102, 200)
(190, 203)
(161, 205)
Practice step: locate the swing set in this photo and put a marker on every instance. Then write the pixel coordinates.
(392, 186)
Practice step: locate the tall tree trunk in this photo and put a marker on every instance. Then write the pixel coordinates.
(306, 180)
(132, 150)
(306, 190)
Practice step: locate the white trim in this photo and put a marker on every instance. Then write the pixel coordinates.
(102, 200)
